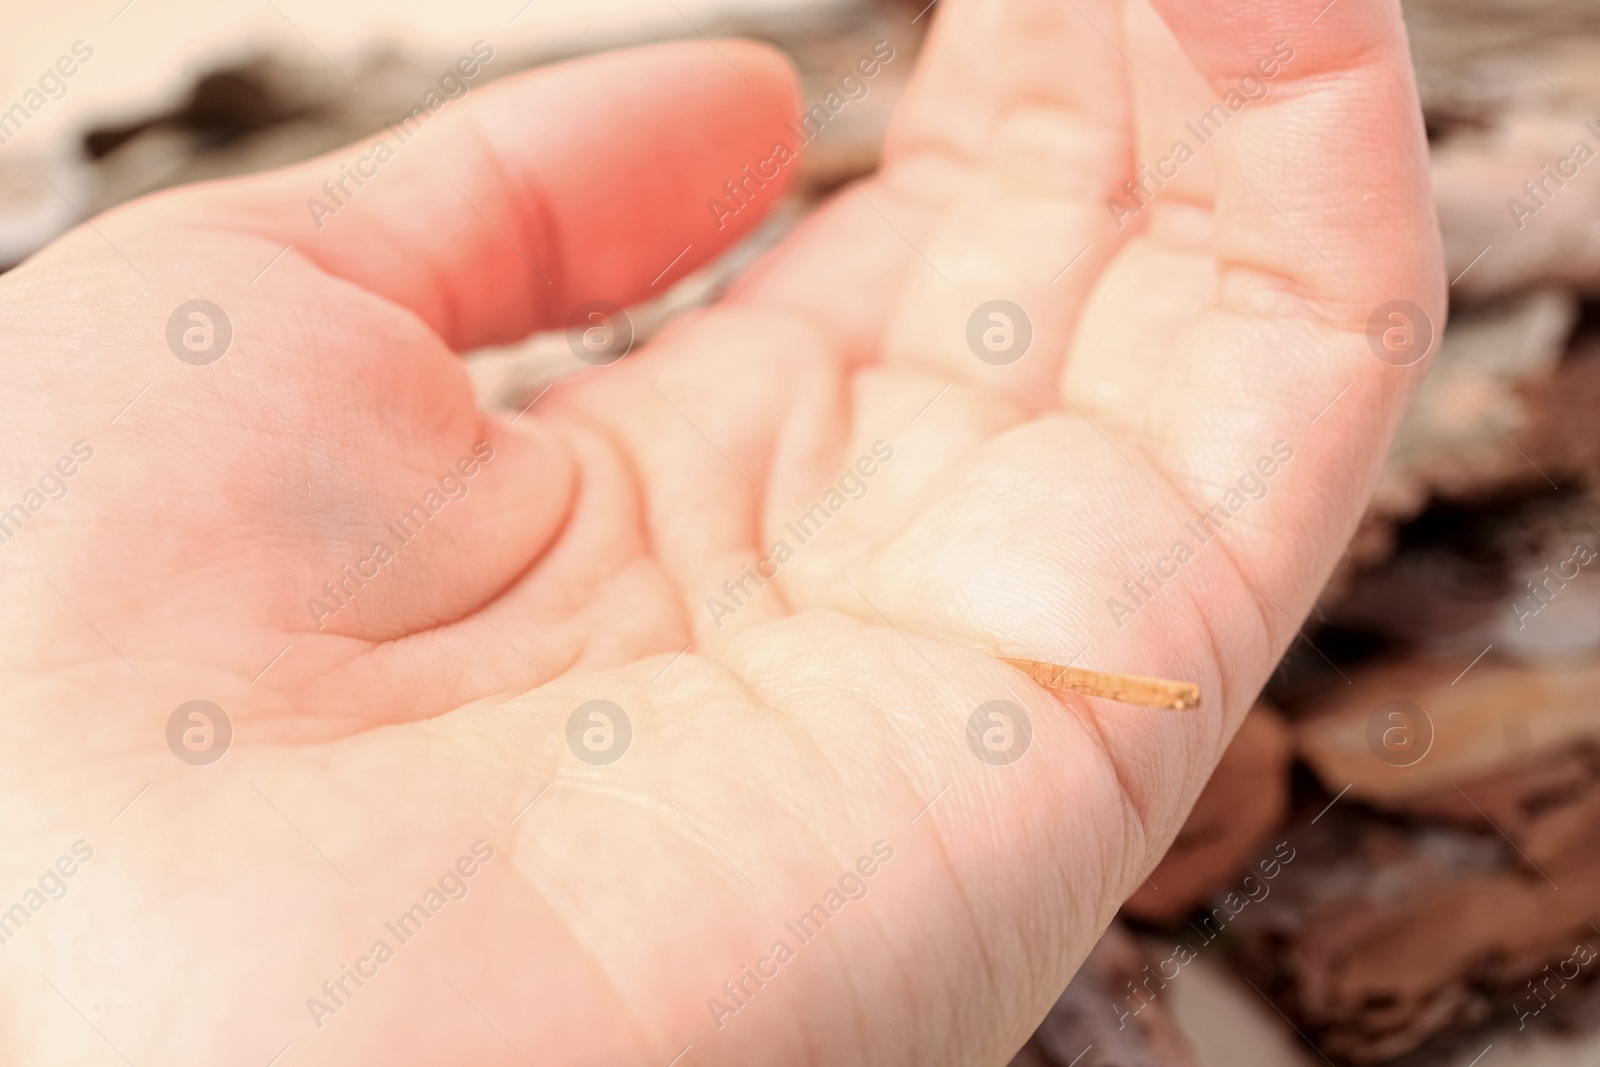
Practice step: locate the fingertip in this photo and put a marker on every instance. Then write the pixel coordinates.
(605, 178)
(683, 156)
(770, 69)
(1307, 37)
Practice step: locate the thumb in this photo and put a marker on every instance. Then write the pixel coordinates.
(334, 417)
(500, 210)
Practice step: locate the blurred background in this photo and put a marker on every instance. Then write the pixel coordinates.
(1398, 861)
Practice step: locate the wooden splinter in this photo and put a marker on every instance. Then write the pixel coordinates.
(1126, 688)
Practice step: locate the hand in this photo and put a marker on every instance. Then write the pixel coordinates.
(405, 723)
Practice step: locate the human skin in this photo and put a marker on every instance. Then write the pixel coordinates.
(830, 711)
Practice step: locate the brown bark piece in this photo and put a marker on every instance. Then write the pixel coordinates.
(1507, 87)
(1379, 937)
(1523, 576)
(1246, 797)
(1452, 443)
(1387, 935)
(1549, 810)
(1492, 718)
(1560, 437)
(1545, 238)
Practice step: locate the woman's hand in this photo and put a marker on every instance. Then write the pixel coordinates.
(784, 543)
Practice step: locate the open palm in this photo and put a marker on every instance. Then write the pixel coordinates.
(665, 719)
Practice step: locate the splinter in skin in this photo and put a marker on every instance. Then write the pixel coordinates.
(1127, 688)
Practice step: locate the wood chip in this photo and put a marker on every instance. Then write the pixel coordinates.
(1127, 688)
(1475, 724)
